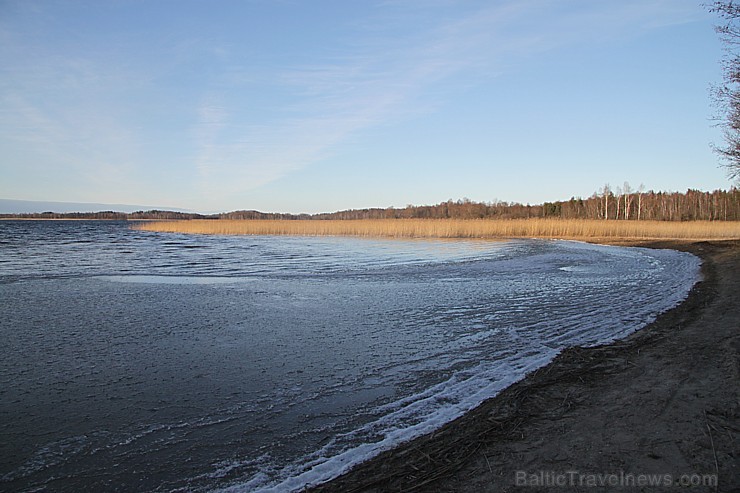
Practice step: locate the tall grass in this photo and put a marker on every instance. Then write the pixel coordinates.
(454, 228)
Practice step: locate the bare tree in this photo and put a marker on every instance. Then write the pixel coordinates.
(727, 95)
(627, 199)
(607, 192)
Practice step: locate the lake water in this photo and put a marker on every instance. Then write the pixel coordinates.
(138, 361)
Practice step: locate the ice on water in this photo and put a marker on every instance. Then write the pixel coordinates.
(162, 361)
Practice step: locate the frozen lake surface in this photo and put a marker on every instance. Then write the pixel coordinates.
(138, 361)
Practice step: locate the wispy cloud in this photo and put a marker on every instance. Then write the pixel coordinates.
(253, 123)
(376, 82)
(381, 79)
(63, 139)
(212, 117)
(78, 149)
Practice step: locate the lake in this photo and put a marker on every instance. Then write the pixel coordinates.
(139, 361)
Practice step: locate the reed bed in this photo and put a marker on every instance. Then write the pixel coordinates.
(455, 228)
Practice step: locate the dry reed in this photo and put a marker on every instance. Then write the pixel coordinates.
(454, 228)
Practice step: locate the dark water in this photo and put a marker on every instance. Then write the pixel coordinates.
(136, 361)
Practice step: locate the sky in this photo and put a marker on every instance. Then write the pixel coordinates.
(317, 106)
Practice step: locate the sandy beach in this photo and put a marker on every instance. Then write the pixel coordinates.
(657, 411)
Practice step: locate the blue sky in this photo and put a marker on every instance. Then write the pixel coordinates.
(312, 106)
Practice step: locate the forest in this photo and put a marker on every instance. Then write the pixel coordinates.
(621, 203)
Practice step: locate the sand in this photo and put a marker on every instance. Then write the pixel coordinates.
(662, 405)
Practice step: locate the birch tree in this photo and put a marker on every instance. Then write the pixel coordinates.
(607, 192)
(627, 199)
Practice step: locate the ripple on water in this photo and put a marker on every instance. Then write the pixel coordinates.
(157, 361)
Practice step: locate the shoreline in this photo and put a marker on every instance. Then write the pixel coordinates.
(663, 402)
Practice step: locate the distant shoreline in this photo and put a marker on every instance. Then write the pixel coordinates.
(646, 404)
(74, 219)
(692, 205)
(70, 219)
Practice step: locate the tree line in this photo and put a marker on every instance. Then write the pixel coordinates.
(609, 204)
(107, 215)
(622, 203)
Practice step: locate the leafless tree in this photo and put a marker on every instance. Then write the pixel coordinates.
(627, 199)
(727, 95)
(607, 192)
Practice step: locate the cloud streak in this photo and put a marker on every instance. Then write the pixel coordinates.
(382, 80)
(247, 124)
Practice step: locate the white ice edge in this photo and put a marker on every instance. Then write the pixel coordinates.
(467, 394)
